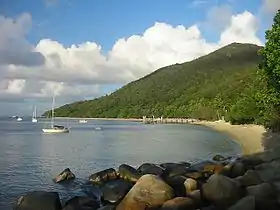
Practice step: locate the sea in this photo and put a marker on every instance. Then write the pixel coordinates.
(30, 159)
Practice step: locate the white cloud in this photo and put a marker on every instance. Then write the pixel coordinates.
(80, 71)
(243, 28)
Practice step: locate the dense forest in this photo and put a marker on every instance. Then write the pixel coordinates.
(238, 81)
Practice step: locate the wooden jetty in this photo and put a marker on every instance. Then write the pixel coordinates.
(162, 120)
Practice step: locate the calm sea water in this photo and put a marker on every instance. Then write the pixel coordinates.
(29, 159)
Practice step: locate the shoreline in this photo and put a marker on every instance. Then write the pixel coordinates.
(249, 137)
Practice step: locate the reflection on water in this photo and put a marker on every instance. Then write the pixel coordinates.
(29, 159)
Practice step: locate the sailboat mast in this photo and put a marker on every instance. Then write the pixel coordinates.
(52, 112)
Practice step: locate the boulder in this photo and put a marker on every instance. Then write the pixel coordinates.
(114, 191)
(67, 174)
(127, 172)
(81, 203)
(177, 183)
(200, 165)
(107, 207)
(149, 191)
(237, 169)
(264, 191)
(219, 158)
(221, 190)
(213, 168)
(246, 203)
(103, 176)
(175, 169)
(250, 178)
(179, 203)
(39, 200)
(190, 185)
(196, 176)
(149, 168)
(196, 196)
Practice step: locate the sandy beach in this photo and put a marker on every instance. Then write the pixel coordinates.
(248, 136)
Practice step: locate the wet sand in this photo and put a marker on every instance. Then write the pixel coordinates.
(248, 136)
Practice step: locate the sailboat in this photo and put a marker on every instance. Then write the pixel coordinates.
(19, 119)
(55, 128)
(34, 119)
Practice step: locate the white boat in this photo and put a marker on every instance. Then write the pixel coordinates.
(55, 128)
(34, 119)
(83, 121)
(19, 119)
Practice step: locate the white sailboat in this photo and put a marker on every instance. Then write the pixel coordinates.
(55, 128)
(19, 119)
(34, 117)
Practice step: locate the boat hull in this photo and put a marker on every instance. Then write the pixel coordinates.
(53, 130)
(34, 120)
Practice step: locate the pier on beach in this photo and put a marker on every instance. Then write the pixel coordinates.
(161, 120)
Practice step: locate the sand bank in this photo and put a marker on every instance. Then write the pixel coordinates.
(248, 136)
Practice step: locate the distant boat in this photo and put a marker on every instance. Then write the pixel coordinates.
(19, 119)
(83, 121)
(34, 117)
(97, 128)
(55, 128)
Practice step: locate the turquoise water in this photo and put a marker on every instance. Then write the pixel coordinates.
(29, 159)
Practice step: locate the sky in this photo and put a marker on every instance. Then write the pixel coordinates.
(79, 50)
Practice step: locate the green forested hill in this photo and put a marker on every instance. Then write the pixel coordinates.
(213, 85)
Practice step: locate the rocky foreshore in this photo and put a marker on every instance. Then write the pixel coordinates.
(243, 183)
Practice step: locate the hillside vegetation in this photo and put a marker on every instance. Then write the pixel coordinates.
(208, 87)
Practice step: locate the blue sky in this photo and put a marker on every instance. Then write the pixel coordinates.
(105, 21)
(75, 48)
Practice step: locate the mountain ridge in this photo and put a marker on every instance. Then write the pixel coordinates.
(190, 89)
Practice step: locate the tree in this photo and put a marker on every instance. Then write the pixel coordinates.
(270, 74)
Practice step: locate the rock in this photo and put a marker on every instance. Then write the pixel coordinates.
(175, 169)
(221, 190)
(107, 207)
(103, 176)
(39, 200)
(179, 203)
(149, 168)
(196, 175)
(251, 161)
(114, 191)
(238, 169)
(269, 171)
(190, 185)
(200, 165)
(213, 168)
(250, 178)
(81, 203)
(196, 196)
(129, 173)
(246, 203)
(267, 205)
(65, 175)
(149, 191)
(262, 191)
(177, 183)
(219, 158)
(227, 169)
